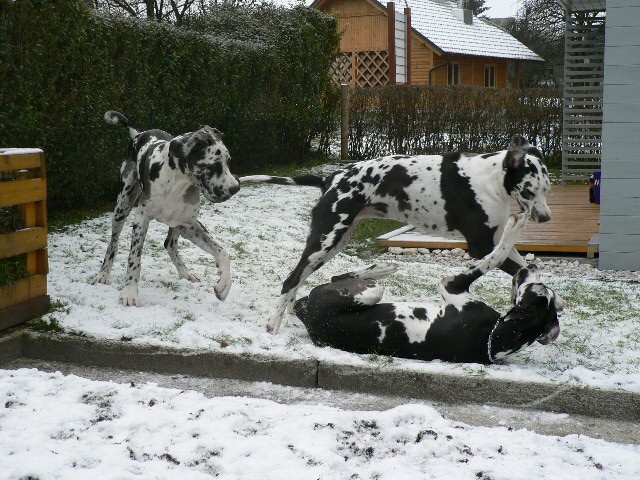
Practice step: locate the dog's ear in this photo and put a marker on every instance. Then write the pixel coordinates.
(516, 151)
(521, 277)
(178, 146)
(533, 306)
(214, 131)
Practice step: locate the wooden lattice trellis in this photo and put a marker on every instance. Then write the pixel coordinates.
(362, 69)
(583, 91)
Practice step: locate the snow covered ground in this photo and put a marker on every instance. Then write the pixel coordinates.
(264, 228)
(67, 427)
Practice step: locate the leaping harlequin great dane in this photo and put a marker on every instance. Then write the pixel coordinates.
(463, 192)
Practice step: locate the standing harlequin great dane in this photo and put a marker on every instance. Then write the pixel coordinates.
(167, 175)
(462, 192)
(345, 313)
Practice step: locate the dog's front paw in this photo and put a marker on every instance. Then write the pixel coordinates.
(189, 276)
(222, 288)
(273, 326)
(515, 226)
(129, 296)
(101, 277)
(520, 222)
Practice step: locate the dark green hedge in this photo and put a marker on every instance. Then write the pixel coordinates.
(426, 120)
(259, 75)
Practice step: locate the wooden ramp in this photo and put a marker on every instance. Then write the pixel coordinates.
(573, 228)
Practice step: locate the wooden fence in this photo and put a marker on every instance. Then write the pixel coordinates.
(23, 186)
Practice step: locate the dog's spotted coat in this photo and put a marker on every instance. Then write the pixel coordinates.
(166, 175)
(345, 314)
(459, 191)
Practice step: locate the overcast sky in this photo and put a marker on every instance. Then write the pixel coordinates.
(502, 8)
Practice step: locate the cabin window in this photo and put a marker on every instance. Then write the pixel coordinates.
(490, 76)
(453, 74)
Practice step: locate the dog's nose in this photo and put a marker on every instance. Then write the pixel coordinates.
(233, 190)
(538, 217)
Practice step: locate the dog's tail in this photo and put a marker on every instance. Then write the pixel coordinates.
(115, 118)
(303, 180)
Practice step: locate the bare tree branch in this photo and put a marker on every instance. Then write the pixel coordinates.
(158, 10)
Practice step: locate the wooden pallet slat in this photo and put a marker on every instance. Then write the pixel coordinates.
(26, 161)
(23, 290)
(22, 241)
(22, 191)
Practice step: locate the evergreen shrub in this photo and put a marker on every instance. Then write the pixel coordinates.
(428, 120)
(260, 75)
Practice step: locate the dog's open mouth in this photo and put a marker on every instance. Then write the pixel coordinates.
(534, 213)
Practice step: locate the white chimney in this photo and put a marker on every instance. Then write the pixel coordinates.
(462, 13)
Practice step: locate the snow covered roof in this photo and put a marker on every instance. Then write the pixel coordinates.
(582, 5)
(436, 22)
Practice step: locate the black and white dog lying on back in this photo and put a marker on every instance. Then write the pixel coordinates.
(345, 314)
(167, 175)
(438, 193)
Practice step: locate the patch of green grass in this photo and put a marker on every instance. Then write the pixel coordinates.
(59, 220)
(226, 340)
(290, 169)
(292, 341)
(241, 251)
(52, 322)
(363, 241)
(41, 325)
(13, 269)
(169, 285)
(10, 219)
(379, 359)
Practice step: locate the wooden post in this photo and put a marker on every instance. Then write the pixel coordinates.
(391, 37)
(407, 13)
(344, 126)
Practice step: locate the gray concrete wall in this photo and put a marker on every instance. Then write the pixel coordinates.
(620, 193)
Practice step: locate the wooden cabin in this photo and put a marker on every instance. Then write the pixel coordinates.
(422, 42)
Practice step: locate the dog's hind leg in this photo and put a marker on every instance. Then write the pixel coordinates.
(330, 231)
(347, 292)
(197, 234)
(374, 272)
(171, 244)
(349, 295)
(129, 193)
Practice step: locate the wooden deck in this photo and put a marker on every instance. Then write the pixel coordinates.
(573, 228)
